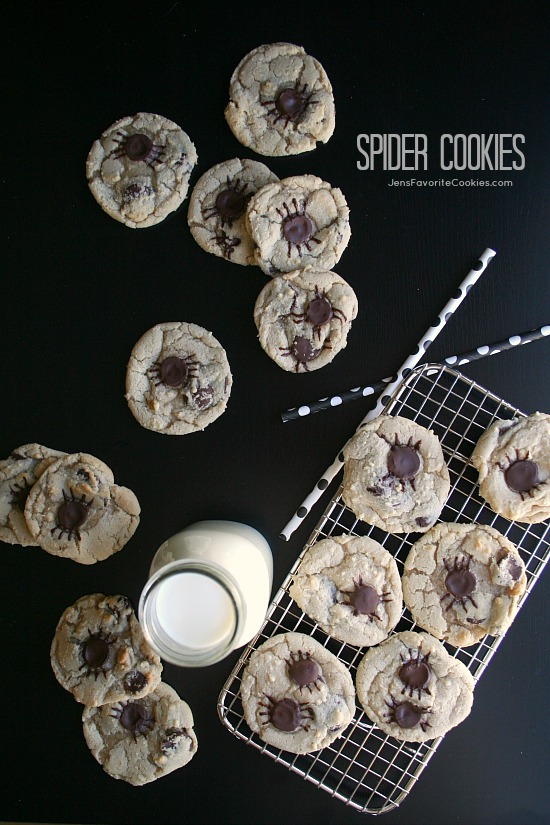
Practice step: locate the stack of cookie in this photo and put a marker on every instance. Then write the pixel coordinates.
(135, 725)
(67, 504)
(281, 103)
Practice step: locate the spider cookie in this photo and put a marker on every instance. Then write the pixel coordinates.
(218, 204)
(296, 695)
(412, 688)
(303, 318)
(141, 740)
(281, 101)
(99, 653)
(75, 510)
(18, 474)
(350, 586)
(178, 379)
(138, 170)
(299, 221)
(395, 476)
(513, 462)
(462, 581)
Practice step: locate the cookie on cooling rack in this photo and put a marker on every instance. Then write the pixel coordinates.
(395, 475)
(513, 462)
(99, 653)
(350, 586)
(412, 688)
(463, 581)
(144, 739)
(296, 695)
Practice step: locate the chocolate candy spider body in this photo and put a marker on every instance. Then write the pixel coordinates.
(230, 203)
(296, 227)
(289, 104)
(138, 148)
(71, 516)
(286, 714)
(460, 583)
(304, 671)
(318, 312)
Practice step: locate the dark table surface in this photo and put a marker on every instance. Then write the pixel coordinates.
(79, 289)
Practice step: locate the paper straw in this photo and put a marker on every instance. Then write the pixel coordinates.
(450, 307)
(452, 360)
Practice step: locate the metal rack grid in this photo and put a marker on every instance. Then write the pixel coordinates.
(365, 768)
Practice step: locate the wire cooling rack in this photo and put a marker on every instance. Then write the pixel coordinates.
(365, 768)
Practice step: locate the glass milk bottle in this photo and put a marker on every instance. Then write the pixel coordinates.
(207, 593)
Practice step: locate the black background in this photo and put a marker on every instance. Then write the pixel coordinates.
(79, 289)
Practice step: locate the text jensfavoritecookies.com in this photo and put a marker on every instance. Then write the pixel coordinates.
(412, 152)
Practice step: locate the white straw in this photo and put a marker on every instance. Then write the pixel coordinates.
(450, 307)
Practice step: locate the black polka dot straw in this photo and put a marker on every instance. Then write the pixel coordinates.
(450, 307)
(452, 360)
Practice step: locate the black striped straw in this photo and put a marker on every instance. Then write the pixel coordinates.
(452, 360)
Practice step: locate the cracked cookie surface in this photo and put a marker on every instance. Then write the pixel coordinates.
(412, 688)
(178, 379)
(299, 221)
(218, 204)
(296, 694)
(513, 462)
(463, 581)
(99, 653)
(303, 318)
(350, 586)
(138, 170)
(18, 474)
(75, 510)
(144, 739)
(281, 101)
(395, 475)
